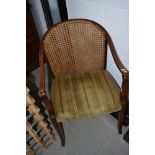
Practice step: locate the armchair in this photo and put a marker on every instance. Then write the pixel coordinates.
(76, 53)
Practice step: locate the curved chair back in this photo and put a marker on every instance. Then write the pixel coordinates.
(74, 46)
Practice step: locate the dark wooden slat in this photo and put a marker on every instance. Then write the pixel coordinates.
(63, 10)
(47, 12)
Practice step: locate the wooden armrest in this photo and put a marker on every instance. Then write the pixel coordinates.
(116, 58)
(42, 82)
(122, 69)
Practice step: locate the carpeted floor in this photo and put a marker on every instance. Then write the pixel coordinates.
(98, 136)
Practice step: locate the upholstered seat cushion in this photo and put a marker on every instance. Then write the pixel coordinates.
(85, 95)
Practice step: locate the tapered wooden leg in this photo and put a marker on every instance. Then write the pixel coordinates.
(121, 120)
(124, 96)
(62, 128)
(59, 130)
(121, 117)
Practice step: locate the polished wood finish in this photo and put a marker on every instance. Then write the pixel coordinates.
(125, 83)
(125, 102)
(120, 66)
(59, 130)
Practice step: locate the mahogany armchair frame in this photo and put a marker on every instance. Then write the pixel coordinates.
(120, 66)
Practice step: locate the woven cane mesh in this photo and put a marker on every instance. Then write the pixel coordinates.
(75, 46)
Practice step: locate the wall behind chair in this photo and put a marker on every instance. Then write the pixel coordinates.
(114, 16)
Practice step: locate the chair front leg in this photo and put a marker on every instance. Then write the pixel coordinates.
(124, 101)
(121, 117)
(59, 129)
(52, 117)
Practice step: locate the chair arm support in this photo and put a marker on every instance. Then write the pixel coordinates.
(47, 102)
(124, 90)
(116, 58)
(42, 83)
(122, 69)
(42, 71)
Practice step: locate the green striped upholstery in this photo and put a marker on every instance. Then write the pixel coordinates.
(85, 95)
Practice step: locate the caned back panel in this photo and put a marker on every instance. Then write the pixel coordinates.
(75, 46)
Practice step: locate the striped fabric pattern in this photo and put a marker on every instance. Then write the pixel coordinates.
(85, 95)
